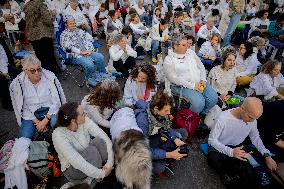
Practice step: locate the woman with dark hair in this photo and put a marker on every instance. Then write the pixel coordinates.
(247, 64)
(276, 28)
(269, 83)
(80, 156)
(113, 25)
(222, 78)
(141, 84)
(99, 105)
(260, 23)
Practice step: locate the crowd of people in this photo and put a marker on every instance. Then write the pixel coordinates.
(207, 53)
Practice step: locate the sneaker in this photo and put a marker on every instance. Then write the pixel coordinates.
(154, 60)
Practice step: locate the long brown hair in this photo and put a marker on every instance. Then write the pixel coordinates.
(105, 95)
(149, 70)
(269, 66)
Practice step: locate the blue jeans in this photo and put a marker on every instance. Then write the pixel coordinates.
(145, 17)
(155, 48)
(94, 62)
(28, 129)
(199, 102)
(231, 28)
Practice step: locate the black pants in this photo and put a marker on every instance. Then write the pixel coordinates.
(44, 50)
(123, 68)
(231, 166)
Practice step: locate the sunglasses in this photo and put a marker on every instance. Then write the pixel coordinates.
(33, 71)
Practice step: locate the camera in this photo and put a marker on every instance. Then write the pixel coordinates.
(184, 149)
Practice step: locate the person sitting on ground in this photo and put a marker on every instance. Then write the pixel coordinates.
(271, 132)
(158, 33)
(210, 51)
(176, 27)
(100, 104)
(141, 84)
(101, 14)
(140, 10)
(129, 15)
(276, 28)
(269, 83)
(80, 156)
(206, 31)
(259, 44)
(35, 91)
(187, 75)
(260, 24)
(222, 78)
(215, 16)
(74, 11)
(247, 64)
(137, 26)
(226, 154)
(191, 42)
(156, 17)
(113, 25)
(155, 120)
(122, 55)
(80, 45)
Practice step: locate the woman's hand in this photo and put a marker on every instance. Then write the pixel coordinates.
(178, 142)
(140, 97)
(41, 125)
(107, 170)
(225, 97)
(175, 154)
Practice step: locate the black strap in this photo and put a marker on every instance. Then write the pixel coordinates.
(58, 91)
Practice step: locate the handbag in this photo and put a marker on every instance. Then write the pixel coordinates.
(41, 113)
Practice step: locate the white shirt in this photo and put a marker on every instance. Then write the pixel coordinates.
(139, 11)
(3, 60)
(68, 143)
(203, 32)
(264, 84)
(248, 66)
(37, 96)
(116, 53)
(122, 120)
(230, 131)
(184, 70)
(138, 28)
(222, 81)
(259, 22)
(207, 49)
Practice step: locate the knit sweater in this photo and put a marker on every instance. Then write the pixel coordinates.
(39, 20)
(68, 145)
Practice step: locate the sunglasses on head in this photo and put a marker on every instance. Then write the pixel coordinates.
(33, 71)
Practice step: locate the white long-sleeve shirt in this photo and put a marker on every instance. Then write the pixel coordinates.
(207, 49)
(116, 53)
(230, 131)
(3, 60)
(257, 22)
(203, 32)
(184, 70)
(264, 84)
(94, 113)
(248, 66)
(138, 28)
(77, 14)
(68, 144)
(139, 11)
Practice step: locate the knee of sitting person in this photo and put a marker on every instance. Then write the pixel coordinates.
(197, 104)
(28, 129)
(53, 120)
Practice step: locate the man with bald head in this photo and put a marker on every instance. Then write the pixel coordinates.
(226, 153)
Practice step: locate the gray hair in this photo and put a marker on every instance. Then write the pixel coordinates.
(256, 41)
(115, 39)
(30, 59)
(177, 38)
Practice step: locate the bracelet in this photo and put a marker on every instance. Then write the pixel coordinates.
(265, 155)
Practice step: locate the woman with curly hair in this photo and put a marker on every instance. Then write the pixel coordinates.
(141, 84)
(247, 64)
(99, 105)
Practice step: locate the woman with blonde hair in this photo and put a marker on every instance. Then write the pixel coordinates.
(269, 83)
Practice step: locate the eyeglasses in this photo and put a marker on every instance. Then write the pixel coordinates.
(33, 71)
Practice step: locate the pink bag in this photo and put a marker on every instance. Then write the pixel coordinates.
(5, 154)
(188, 120)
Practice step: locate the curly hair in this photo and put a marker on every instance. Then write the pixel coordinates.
(249, 49)
(161, 99)
(226, 52)
(149, 70)
(66, 113)
(269, 66)
(260, 13)
(105, 95)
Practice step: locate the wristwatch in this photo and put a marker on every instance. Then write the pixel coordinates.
(265, 155)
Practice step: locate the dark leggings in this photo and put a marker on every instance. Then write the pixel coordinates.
(124, 67)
